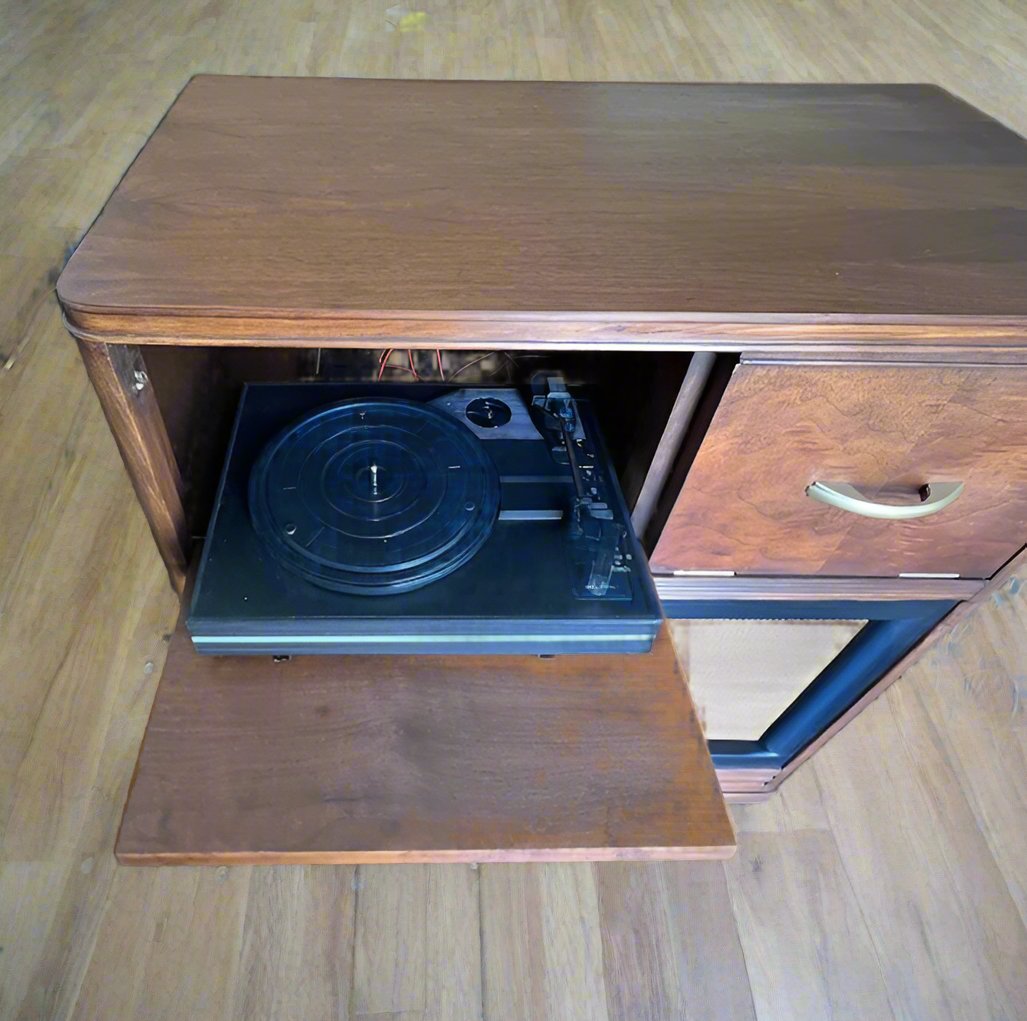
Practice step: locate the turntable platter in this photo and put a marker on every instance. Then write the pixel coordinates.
(374, 496)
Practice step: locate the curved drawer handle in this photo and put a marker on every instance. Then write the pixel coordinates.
(934, 497)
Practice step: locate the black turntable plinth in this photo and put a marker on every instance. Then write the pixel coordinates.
(420, 518)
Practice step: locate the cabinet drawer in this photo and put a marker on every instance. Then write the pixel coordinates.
(885, 431)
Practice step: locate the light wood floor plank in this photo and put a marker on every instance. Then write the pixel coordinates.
(60, 666)
(72, 902)
(671, 950)
(296, 954)
(977, 703)
(168, 947)
(417, 942)
(806, 943)
(453, 978)
(29, 906)
(542, 949)
(947, 932)
(513, 951)
(391, 932)
(575, 988)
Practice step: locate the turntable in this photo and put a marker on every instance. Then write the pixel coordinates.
(420, 518)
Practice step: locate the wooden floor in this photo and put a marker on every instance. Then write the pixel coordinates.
(889, 878)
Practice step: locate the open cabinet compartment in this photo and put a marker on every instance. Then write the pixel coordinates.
(197, 390)
(770, 678)
(384, 758)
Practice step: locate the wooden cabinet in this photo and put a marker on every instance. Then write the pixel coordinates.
(868, 239)
(886, 431)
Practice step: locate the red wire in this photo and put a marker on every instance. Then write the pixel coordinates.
(383, 364)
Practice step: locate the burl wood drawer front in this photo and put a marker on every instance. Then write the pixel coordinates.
(886, 431)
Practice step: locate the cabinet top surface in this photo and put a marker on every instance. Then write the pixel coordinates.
(314, 200)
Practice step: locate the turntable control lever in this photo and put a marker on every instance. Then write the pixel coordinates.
(592, 521)
(604, 560)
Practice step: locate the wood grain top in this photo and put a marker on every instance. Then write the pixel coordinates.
(342, 759)
(621, 213)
